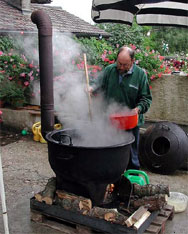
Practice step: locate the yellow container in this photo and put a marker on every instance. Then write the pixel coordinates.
(58, 126)
(37, 135)
(35, 127)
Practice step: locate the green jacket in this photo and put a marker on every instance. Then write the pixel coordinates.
(133, 91)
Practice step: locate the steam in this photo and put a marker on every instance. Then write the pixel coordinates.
(71, 101)
(71, 98)
(28, 44)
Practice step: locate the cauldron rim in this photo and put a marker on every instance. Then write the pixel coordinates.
(49, 138)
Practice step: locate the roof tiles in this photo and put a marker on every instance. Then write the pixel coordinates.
(12, 19)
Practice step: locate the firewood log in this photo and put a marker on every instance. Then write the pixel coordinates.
(72, 202)
(110, 215)
(150, 190)
(136, 216)
(141, 220)
(153, 203)
(47, 195)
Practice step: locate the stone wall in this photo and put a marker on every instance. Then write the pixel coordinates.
(20, 119)
(170, 99)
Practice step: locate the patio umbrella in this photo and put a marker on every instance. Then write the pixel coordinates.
(147, 12)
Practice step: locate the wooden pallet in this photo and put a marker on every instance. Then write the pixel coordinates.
(71, 222)
(158, 224)
(59, 225)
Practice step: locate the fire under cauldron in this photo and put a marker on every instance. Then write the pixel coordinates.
(81, 170)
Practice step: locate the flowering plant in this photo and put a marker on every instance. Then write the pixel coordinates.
(151, 61)
(176, 65)
(108, 57)
(16, 77)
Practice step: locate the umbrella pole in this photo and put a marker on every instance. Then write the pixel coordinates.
(87, 83)
(2, 193)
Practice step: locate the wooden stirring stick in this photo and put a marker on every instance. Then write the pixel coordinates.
(87, 85)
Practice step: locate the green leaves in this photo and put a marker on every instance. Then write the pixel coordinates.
(16, 77)
(6, 43)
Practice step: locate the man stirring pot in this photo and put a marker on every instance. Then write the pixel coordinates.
(127, 84)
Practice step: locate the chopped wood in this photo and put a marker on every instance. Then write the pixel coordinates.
(141, 220)
(153, 203)
(129, 222)
(110, 215)
(135, 216)
(72, 202)
(138, 214)
(47, 195)
(38, 196)
(150, 189)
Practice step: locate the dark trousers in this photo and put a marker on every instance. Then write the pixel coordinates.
(134, 160)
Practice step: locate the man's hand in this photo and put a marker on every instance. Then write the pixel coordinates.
(136, 110)
(89, 89)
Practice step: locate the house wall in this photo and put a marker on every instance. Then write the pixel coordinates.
(170, 99)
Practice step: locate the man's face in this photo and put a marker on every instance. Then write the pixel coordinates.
(124, 62)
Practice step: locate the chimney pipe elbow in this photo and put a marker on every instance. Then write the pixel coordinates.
(43, 22)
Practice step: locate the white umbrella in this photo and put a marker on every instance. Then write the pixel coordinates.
(2, 193)
(147, 12)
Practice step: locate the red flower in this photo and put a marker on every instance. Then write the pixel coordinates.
(152, 77)
(106, 60)
(22, 74)
(160, 74)
(161, 57)
(30, 65)
(111, 62)
(26, 83)
(78, 66)
(133, 46)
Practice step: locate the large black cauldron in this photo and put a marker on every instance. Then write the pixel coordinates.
(81, 170)
(86, 171)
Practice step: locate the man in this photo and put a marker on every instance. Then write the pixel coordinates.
(125, 83)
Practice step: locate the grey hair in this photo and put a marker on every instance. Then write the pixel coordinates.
(130, 51)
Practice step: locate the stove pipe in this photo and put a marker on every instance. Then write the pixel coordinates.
(44, 25)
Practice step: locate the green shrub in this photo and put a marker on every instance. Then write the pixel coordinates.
(6, 43)
(17, 74)
(94, 48)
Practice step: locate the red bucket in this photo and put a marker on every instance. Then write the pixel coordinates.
(124, 121)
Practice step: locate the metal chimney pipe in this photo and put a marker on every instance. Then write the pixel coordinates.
(44, 25)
